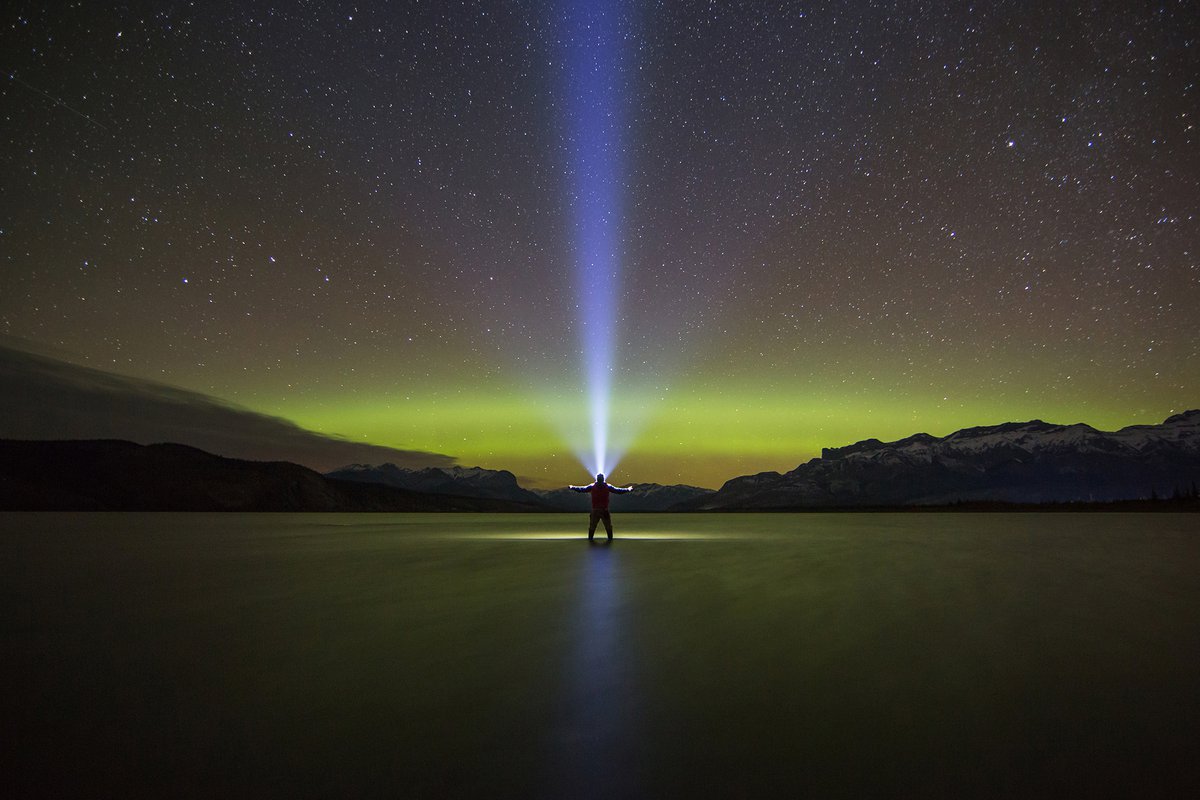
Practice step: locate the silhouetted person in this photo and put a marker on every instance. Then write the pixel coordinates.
(600, 492)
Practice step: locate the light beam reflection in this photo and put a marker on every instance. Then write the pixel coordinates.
(595, 741)
(575, 535)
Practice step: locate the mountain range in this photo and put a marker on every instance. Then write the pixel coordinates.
(503, 485)
(644, 497)
(1031, 462)
(1016, 462)
(106, 475)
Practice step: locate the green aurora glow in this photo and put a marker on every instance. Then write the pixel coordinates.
(837, 224)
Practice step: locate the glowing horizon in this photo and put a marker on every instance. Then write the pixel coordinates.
(678, 243)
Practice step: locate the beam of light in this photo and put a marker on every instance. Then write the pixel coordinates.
(593, 58)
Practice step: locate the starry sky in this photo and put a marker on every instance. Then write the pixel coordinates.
(835, 220)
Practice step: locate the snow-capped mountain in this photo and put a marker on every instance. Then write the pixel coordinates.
(1030, 462)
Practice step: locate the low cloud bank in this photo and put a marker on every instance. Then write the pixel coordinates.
(45, 398)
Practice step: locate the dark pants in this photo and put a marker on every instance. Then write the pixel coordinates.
(597, 515)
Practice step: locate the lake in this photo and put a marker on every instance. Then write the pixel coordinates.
(421, 655)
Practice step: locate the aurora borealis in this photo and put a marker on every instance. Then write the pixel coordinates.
(836, 221)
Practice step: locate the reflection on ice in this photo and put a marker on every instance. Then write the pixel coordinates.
(596, 727)
(468, 655)
(557, 536)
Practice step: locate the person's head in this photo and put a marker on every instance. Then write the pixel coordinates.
(599, 477)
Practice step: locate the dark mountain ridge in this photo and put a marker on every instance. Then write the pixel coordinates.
(1031, 462)
(644, 497)
(109, 475)
(502, 484)
(1014, 462)
(464, 481)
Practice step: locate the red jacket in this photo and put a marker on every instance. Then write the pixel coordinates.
(600, 493)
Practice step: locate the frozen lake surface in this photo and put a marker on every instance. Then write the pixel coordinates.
(501, 656)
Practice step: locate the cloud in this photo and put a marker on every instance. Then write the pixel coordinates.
(46, 398)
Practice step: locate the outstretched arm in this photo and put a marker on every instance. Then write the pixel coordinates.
(579, 488)
(620, 489)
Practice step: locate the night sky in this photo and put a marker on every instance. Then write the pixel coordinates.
(834, 221)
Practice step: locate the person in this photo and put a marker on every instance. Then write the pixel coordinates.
(600, 492)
